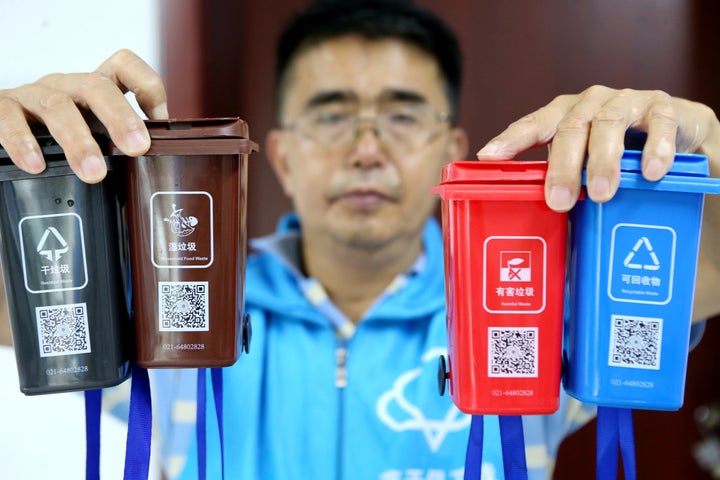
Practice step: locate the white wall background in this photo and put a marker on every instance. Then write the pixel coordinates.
(38, 37)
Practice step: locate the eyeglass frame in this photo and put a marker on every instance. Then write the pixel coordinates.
(357, 121)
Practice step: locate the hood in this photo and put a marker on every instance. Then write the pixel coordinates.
(272, 280)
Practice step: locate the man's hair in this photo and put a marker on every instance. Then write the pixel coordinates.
(374, 20)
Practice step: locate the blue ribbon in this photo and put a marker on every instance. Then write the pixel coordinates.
(615, 428)
(93, 406)
(137, 450)
(200, 427)
(217, 382)
(513, 448)
(201, 422)
(473, 454)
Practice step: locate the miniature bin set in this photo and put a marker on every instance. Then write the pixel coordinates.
(148, 265)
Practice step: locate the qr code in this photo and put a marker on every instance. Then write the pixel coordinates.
(513, 352)
(635, 342)
(183, 306)
(63, 329)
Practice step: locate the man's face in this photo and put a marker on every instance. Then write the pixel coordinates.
(373, 188)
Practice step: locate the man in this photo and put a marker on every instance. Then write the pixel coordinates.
(347, 298)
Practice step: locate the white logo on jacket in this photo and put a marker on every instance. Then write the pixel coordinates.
(434, 430)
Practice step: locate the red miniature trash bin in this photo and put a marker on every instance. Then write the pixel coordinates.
(505, 276)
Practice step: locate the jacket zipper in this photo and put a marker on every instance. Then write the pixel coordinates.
(340, 383)
(341, 368)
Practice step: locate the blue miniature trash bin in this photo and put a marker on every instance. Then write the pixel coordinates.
(631, 285)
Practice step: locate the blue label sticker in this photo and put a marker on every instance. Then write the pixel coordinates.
(642, 263)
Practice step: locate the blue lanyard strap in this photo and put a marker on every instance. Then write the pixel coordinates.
(200, 430)
(93, 403)
(217, 383)
(615, 428)
(201, 425)
(513, 448)
(137, 455)
(473, 454)
(137, 450)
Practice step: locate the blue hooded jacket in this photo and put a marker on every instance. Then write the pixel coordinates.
(309, 402)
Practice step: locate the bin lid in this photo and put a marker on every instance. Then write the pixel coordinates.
(197, 128)
(196, 136)
(222, 128)
(689, 173)
(494, 171)
(692, 164)
(492, 180)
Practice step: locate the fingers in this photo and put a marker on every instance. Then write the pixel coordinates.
(16, 137)
(659, 119)
(57, 101)
(566, 159)
(588, 130)
(131, 72)
(532, 130)
(98, 94)
(64, 122)
(697, 128)
(620, 110)
(61, 102)
(550, 122)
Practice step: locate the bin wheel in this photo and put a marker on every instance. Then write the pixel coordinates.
(246, 333)
(442, 375)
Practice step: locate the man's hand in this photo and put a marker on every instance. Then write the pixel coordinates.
(595, 122)
(68, 104)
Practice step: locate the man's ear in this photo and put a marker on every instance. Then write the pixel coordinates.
(459, 145)
(277, 155)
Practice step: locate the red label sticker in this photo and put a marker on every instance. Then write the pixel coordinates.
(514, 274)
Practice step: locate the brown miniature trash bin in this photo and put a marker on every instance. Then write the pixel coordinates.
(187, 227)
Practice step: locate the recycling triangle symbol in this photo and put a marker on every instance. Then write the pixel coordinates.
(628, 262)
(45, 248)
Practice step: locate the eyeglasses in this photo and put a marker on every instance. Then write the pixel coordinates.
(337, 125)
